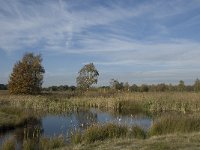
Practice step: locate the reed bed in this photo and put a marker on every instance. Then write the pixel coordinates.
(120, 102)
(99, 132)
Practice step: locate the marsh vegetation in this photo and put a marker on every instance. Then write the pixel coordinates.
(78, 120)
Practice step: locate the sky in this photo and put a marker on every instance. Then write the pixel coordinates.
(135, 41)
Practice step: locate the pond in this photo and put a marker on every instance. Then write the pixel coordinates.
(52, 125)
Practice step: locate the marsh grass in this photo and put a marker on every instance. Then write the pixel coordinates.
(119, 102)
(44, 143)
(9, 144)
(52, 143)
(29, 144)
(107, 131)
(36, 143)
(12, 117)
(170, 123)
(187, 141)
(185, 103)
(76, 138)
(175, 123)
(137, 132)
(100, 132)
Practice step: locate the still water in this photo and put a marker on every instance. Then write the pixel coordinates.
(67, 123)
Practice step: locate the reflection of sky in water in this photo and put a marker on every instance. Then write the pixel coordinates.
(4, 137)
(142, 121)
(10, 135)
(65, 124)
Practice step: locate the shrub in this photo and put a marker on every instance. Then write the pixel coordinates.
(76, 138)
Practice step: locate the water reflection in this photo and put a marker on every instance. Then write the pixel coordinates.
(31, 130)
(66, 124)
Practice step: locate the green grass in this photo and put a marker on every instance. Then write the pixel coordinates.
(175, 123)
(167, 142)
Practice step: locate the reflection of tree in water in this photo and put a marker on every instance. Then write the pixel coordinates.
(32, 129)
(86, 118)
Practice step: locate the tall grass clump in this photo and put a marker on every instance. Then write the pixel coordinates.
(137, 132)
(175, 124)
(100, 133)
(9, 144)
(107, 131)
(76, 138)
(52, 143)
(130, 107)
(29, 144)
(43, 143)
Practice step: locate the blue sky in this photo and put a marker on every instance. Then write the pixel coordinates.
(139, 41)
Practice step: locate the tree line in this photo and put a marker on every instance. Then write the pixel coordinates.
(3, 87)
(27, 78)
(126, 87)
(161, 87)
(60, 88)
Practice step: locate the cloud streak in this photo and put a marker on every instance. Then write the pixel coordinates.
(51, 22)
(154, 35)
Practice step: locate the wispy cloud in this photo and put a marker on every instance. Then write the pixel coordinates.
(52, 23)
(57, 26)
(150, 34)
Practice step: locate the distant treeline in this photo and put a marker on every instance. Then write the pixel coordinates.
(3, 87)
(125, 86)
(121, 86)
(162, 87)
(60, 88)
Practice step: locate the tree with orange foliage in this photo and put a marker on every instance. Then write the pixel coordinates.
(27, 75)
